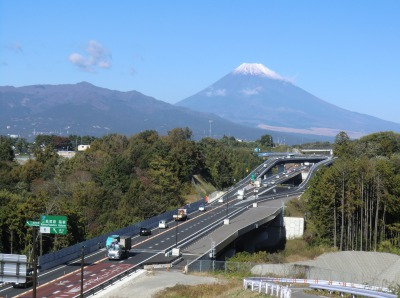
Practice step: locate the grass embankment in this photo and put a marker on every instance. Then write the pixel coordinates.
(227, 287)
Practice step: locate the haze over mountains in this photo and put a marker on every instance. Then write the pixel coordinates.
(255, 96)
(247, 103)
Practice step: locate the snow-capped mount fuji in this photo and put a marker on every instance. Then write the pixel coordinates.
(256, 96)
(256, 69)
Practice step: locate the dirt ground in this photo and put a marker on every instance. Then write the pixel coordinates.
(144, 284)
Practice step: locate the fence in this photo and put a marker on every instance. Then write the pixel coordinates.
(68, 254)
(267, 288)
(290, 271)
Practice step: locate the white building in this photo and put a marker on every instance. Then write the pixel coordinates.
(83, 147)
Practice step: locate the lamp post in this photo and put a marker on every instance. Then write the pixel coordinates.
(176, 234)
(34, 257)
(82, 267)
(227, 204)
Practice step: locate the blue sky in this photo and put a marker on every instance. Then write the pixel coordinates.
(344, 52)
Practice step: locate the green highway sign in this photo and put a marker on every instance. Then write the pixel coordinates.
(53, 224)
(32, 223)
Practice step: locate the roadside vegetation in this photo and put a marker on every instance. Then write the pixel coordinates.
(352, 205)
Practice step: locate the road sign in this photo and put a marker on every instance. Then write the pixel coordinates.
(53, 224)
(32, 223)
(52, 230)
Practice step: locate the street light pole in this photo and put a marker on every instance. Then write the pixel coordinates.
(34, 263)
(82, 267)
(227, 203)
(176, 234)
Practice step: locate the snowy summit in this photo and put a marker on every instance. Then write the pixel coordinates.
(257, 69)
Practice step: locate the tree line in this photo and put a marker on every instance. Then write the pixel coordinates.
(355, 203)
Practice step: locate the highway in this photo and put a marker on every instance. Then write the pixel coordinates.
(64, 281)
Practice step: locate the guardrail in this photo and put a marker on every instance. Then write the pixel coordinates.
(267, 288)
(328, 285)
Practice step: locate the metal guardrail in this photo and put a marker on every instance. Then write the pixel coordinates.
(333, 286)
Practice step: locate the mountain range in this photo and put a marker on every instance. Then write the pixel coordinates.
(255, 96)
(85, 109)
(247, 103)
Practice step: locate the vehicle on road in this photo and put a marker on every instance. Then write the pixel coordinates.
(240, 193)
(144, 232)
(119, 250)
(221, 200)
(182, 214)
(162, 224)
(202, 208)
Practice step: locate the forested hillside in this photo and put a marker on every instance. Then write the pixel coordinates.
(115, 183)
(355, 203)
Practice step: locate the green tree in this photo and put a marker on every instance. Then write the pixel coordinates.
(6, 150)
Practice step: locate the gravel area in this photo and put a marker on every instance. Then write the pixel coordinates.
(373, 268)
(145, 283)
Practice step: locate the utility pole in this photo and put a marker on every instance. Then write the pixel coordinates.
(210, 121)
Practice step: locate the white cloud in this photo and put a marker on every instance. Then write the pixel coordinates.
(253, 91)
(97, 56)
(218, 92)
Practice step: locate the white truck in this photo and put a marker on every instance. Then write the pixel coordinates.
(119, 250)
(182, 215)
(240, 193)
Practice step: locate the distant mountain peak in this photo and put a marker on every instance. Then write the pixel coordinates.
(257, 69)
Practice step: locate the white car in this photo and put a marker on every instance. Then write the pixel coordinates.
(202, 208)
(162, 224)
(221, 200)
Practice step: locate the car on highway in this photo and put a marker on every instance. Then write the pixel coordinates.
(221, 200)
(162, 224)
(202, 208)
(144, 232)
